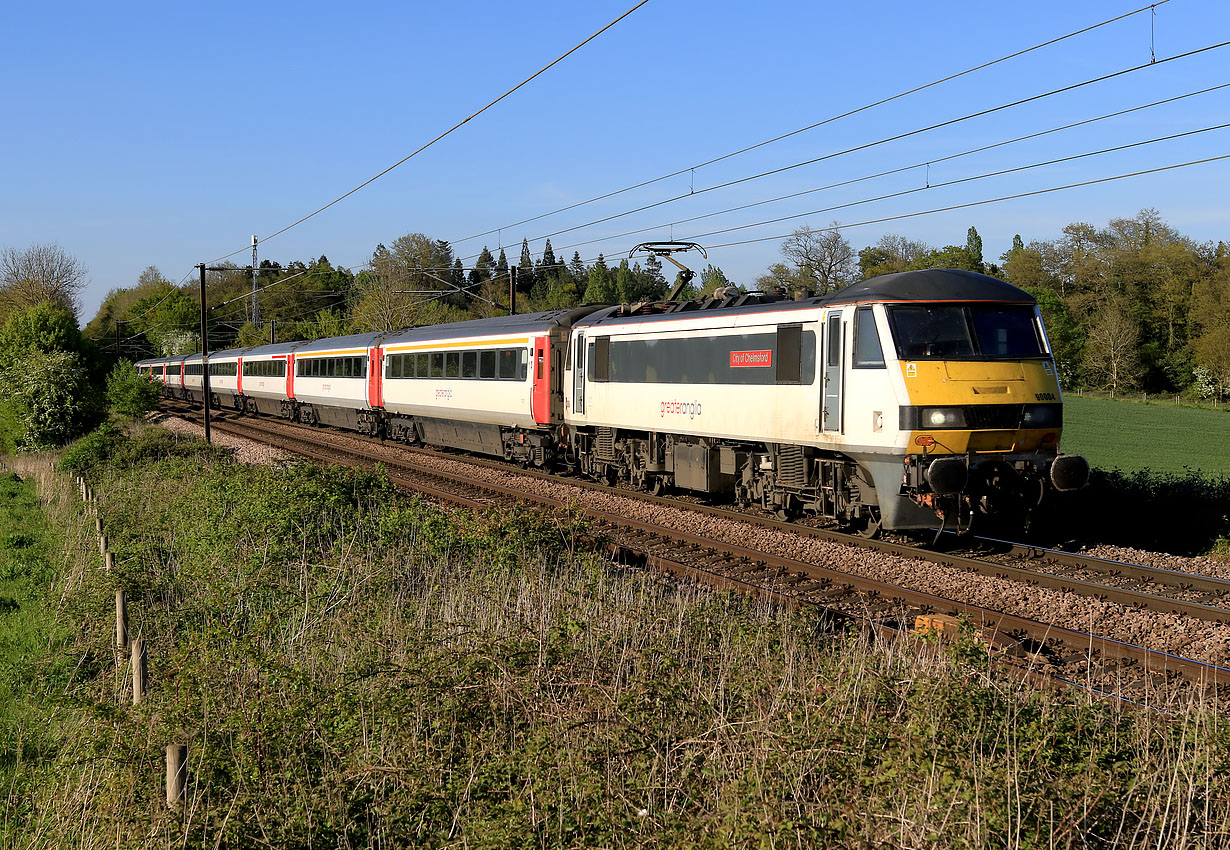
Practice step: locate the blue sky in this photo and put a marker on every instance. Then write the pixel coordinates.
(165, 134)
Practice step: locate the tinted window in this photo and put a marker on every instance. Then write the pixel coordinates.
(486, 364)
(437, 364)
(729, 359)
(867, 351)
(952, 331)
(452, 365)
(508, 363)
(1008, 332)
(469, 364)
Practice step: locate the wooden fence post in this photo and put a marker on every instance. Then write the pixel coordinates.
(102, 545)
(98, 524)
(121, 620)
(177, 775)
(109, 561)
(140, 669)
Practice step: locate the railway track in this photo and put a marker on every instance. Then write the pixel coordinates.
(1031, 647)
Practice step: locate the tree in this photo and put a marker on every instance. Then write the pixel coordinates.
(576, 267)
(892, 253)
(1111, 350)
(1213, 356)
(948, 257)
(483, 268)
(712, 279)
(45, 399)
(973, 248)
(131, 394)
(39, 329)
(781, 276)
(824, 258)
(40, 273)
(403, 284)
(525, 270)
(600, 286)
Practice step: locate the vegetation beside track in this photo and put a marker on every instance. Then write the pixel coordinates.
(354, 668)
(1161, 477)
(1164, 438)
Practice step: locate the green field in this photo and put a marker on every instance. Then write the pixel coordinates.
(1130, 436)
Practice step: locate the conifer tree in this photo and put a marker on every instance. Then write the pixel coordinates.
(576, 267)
(525, 269)
(601, 287)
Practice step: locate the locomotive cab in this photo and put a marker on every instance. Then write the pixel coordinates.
(979, 407)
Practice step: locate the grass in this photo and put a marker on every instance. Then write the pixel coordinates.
(28, 628)
(1132, 436)
(354, 669)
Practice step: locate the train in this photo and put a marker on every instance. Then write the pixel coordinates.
(916, 400)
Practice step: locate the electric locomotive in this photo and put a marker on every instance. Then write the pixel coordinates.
(892, 403)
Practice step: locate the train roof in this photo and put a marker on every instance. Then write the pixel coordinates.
(521, 323)
(364, 340)
(228, 352)
(921, 285)
(930, 285)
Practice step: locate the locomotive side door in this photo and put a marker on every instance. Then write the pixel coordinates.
(578, 375)
(830, 413)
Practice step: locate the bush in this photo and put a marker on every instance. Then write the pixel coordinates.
(93, 450)
(129, 393)
(45, 400)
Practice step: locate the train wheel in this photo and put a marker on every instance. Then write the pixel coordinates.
(869, 526)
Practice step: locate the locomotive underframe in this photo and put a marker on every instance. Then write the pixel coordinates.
(862, 491)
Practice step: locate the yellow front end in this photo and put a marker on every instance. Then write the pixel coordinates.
(980, 407)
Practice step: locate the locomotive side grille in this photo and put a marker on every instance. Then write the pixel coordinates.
(604, 445)
(791, 466)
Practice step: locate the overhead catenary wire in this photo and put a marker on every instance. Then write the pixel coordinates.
(1017, 196)
(931, 186)
(899, 170)
(817, 124)
(885, 140)
(456, 126)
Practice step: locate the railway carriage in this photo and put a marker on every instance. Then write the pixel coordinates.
(332, 384)
(194, 377)
(492, 386)
(225, 379)
(173, 377)
(266, 380)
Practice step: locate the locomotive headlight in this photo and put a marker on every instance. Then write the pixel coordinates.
(943, 417)
(1041, 416)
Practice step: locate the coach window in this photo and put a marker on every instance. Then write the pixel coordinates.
(600, 358)
(523, 357)
(452, 365)
(469, 364)
(789, 354)
(437, 364)
(867, 351)
(486, 364)
(508, 364)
